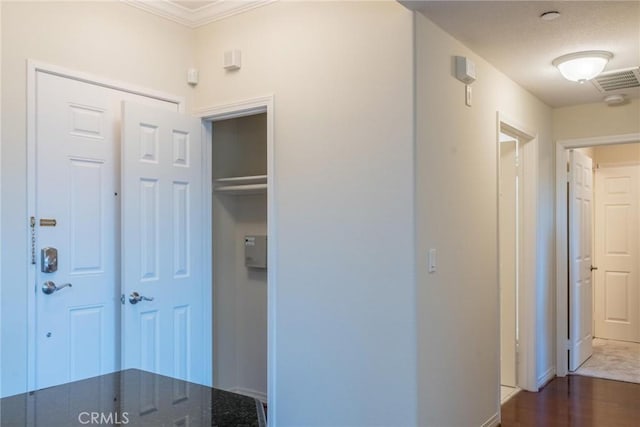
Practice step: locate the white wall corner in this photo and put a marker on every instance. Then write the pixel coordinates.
(494, 421)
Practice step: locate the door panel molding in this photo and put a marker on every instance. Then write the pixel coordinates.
(562, 365)
(157, 212)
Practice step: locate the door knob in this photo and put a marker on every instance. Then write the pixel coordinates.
(49, 287)
(593, 268)
(135, 297)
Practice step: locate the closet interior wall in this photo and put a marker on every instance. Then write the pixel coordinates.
(239, 292)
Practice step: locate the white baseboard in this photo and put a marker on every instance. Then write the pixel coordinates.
(262, 397)
(546, 377)
(494, 421)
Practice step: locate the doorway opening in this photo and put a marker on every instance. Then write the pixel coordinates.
(239, 255)
(510, 226)
(563, 300)
(239, 164)
(517, 254)
(614, 314)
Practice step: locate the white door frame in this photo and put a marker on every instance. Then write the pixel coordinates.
(526, 356)
(562, 321)
(33, 67)
(232, 110)
(1, 144)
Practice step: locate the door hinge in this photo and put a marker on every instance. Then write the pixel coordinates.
(568, 344)
(122, 299)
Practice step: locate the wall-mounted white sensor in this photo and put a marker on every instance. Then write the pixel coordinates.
(465, 70)
(192, 76)
(232, 60)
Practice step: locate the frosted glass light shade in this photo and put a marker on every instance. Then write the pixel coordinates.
(582, 66)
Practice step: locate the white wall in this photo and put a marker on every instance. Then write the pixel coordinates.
(341, 73)
(107, 39)
(622, 153)
(456, 205)
(597, 119)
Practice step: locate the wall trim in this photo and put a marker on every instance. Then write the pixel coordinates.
(562, 321)
(546, 377)
(33, 65)
(494, 421)
(262, 397)
(33, 68)
(243, 108)
(617, 164)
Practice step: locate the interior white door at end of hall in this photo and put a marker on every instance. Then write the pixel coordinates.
(617, 250)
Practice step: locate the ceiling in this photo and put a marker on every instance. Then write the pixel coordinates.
(511, 36)
(508, 34)
(196, 13)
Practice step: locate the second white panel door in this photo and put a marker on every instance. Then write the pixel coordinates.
(580, 259)
(617, 287)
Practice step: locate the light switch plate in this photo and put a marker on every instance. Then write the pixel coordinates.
(432, 260)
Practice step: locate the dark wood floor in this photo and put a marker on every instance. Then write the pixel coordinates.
(576, 401)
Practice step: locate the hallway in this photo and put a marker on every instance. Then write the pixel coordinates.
(575, 401)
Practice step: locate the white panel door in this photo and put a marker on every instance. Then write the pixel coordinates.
(162, 243)
(77, 161)
(580, 259)
(76, 186)
(617, 287)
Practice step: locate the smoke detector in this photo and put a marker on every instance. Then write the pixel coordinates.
(615, 99)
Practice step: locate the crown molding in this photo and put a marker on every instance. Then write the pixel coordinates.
(215, 11)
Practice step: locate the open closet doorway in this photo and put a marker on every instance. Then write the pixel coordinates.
(240, 255)
(240, 163)
(517, 246)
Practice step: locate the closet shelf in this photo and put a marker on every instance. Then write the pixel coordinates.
(241, 185)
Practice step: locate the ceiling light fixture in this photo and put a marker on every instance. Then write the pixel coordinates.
(582, 66)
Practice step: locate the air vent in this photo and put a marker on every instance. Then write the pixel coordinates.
(617, 79)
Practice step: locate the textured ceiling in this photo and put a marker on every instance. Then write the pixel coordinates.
(512, 37)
